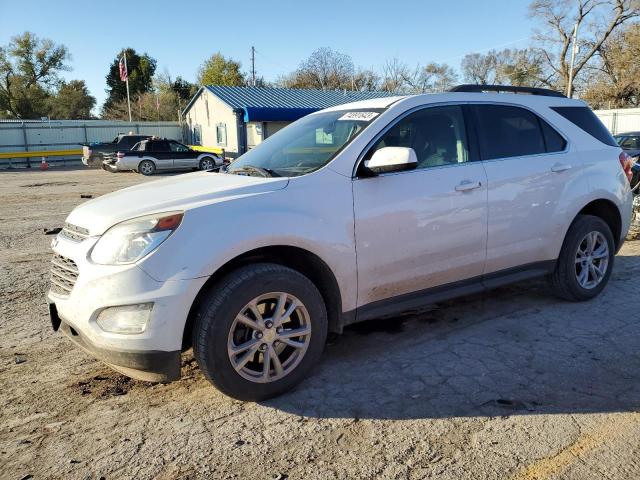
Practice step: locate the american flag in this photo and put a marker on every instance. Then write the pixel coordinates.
(123, 70)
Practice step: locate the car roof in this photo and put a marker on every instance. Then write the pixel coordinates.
(448, 97)
(627, 134)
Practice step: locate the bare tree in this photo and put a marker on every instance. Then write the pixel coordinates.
(520, 67)
(431, 78)
(394, 74)
(479, 68)
(596, 20)
(365, 81)
(325, 69)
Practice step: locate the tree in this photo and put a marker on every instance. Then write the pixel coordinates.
(183, 89)
(399, 78)
(72, 101)
(431, 78)
(29, 71)
(615, 80)
(325, 69)
(141, 69)
(507, 67)
(480, 69)
(596, 20)
(394, 73)
(219, 70)
(366, 81)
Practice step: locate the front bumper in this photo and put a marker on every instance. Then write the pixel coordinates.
(151, 355)
(152, 365)
(110, 167)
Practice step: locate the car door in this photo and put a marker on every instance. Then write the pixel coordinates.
(183, 156)
(528, 167)
(161, 152)
(423, 228)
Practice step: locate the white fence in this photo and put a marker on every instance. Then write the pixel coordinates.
(620, 120)
(38, 136)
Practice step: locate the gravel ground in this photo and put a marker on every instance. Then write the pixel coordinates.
(512, 384)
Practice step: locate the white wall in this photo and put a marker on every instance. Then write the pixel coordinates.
(207, 112)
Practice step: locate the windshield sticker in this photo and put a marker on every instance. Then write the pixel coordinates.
(359, 116)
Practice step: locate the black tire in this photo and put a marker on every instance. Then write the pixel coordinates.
(95, 161)
(201, 166)
(217, 313)
(147, 168)
(564, 279)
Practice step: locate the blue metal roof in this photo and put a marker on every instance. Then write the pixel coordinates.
(285, 104)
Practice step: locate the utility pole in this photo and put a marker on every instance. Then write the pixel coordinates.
(574, 51)
(253, 66)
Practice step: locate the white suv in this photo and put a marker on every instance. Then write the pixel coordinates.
(355, 212)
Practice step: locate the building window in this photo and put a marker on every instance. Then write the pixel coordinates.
(221, 134)
(197, 135)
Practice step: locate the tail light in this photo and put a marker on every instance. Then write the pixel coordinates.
(626, 162)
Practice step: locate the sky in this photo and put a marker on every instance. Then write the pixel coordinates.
(181, 35)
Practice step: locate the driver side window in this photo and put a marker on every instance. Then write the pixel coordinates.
(437, 135)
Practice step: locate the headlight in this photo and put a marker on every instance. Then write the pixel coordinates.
(129, 241)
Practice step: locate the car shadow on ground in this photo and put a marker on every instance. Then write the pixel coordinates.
(516, 350)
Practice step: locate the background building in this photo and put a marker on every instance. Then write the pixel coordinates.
(239, 118)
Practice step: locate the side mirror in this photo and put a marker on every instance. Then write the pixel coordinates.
(392, 159)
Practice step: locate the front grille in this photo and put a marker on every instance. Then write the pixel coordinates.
(64, 273)
(74, 233)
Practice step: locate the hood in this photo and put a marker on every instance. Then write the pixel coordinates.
(180, 192)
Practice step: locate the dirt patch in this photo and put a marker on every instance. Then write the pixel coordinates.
(50, 184)
(107, 384)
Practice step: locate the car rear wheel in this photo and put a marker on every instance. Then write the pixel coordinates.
(207, 163)
(260, 331)
(147, 167)
(586, 260)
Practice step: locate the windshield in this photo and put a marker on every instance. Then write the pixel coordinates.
(304, 146)
(619, 139)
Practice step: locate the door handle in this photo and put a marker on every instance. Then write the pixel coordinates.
(560, 167)
(467, 185)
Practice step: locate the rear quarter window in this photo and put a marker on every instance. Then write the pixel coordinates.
(586, 120)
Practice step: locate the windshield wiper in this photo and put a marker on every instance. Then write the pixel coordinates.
(264, 172)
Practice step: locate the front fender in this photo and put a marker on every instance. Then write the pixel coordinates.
(301, 215)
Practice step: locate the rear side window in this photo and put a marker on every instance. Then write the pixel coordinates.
(159, 146)
(507, 131)
(585, 119)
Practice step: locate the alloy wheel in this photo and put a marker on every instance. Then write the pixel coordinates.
(206, 164)
(269, 337)
(592, 260)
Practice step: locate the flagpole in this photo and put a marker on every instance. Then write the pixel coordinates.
(127, 82)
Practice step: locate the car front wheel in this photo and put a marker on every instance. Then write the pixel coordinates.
(260, 331)
(207, 163)
(586, 260)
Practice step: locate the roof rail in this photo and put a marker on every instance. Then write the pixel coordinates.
(506, 88)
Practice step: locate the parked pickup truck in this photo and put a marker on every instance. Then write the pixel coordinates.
(151, 155)
(94, 153)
